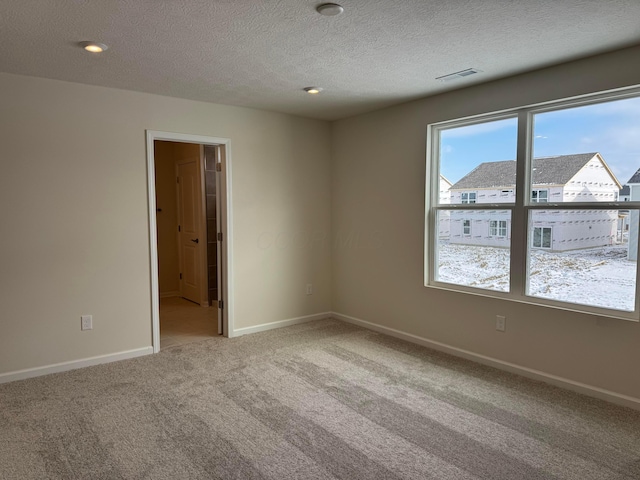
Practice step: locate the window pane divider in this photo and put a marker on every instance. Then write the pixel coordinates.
(477, 206)
(520, 216)
(580, 206)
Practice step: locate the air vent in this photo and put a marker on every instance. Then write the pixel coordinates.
(458, 75)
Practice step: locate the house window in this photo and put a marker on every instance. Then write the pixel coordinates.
(468, 197)
(498, 228)
(537, 153)
(541, 237)
(539, 196)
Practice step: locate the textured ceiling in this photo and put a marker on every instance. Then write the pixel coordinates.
(261, 53)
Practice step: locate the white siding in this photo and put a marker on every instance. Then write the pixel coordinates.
(502, 195)
(592, 183)
(575, 229)
(444, 216)
(480, 221)
(570, 229)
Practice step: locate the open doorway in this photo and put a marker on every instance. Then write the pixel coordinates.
(188, 220)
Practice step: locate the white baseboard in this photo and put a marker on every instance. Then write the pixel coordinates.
(589, 390)
(74, 364)
(169, 294)
(279, 324)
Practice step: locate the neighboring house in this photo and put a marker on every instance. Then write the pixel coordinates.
(634, 195)
(444, 215)
(566, 178)
(623, 215)
(625, 194)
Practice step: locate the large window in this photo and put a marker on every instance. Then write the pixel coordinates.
(531, 212)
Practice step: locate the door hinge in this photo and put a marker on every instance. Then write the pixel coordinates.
(220, 304)
(218, 167)
(180, 276)
(219, 236)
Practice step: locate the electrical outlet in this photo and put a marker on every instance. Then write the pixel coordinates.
(501, 323)
(86, 322)
(309, 289)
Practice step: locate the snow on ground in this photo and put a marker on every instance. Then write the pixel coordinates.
(601, 277)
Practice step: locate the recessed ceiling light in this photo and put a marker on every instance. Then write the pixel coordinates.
(329, 9)
(312, 90)
(93, 47)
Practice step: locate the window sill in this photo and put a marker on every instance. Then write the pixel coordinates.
(536, 302)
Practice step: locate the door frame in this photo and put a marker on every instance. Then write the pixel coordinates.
(226, 223)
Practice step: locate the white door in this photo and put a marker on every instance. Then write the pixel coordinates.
(189, 235)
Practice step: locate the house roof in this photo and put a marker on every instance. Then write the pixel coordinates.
(635, 178)
(546, 171)
(446, 180)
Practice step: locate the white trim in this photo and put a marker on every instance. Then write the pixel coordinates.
(170, 294)
(281, 324)
(204, 264)
(227, 226)
(589, 390)
(73, 365)
(226, 288)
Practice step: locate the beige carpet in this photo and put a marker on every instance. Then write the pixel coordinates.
(322, 400)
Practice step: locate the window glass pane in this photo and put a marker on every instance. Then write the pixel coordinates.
(584, 257)
(467, 253)
(587, 153)
(539, 196)
(477, 163)
(537, 237)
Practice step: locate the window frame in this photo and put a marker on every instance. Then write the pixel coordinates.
(537, 192)
(466, 221)
(468, 199)
(521, 210)
(496, 227)
(493, 228)
(541, 246)
(502, 227)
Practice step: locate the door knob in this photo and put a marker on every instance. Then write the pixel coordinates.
(195, 241)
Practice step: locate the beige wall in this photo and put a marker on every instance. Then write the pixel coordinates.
(378, 192)
(73, 196)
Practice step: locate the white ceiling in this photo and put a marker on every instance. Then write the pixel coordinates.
(261, 53)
